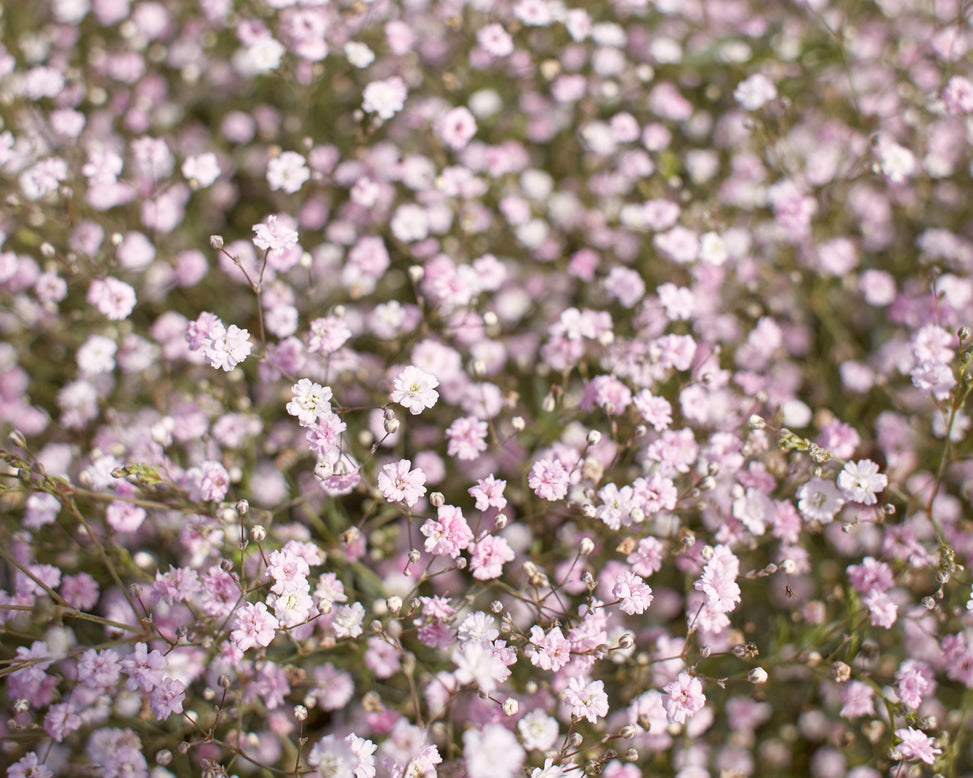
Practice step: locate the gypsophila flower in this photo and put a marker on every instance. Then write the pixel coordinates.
(254, 626)
(915, 746)
(311, 401)
(228, 347)
(860, 481)
(398, 482)
(755, 92)
(549, 479)
(287, 172)
(819, 500)
(415, 390)
(384, 98)
(275, 235)
(586, 700)
(685, 698)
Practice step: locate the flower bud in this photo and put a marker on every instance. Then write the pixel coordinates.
(510, 706)
(757, 675)
(216, 241)
(586, 546)
(436, 499)
(300, 713)
(594, 437)
(258, 533)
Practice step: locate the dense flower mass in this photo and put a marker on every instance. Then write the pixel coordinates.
(523, 388)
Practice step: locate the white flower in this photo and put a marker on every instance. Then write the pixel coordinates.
(898, 163)
(861, 481)
(819, 499)
(348, 619)
(385, 98)
(311, 401)
(287, 172)
(415, 390)
(359, 54)
(755, 92)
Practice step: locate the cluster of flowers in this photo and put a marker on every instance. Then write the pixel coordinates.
(487, 388)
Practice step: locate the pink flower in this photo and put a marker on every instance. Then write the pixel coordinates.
(488, 492)
(399, 483)
(167, 698)
(549, 479)
(586, 700)
(495, 40)
(467, 438)
(448, 534)
(275, 235)
(415, 390)
(214, 481)
(254, 626)
(114, 298)
(685, 698)
(456, 128)
(916, 746)
(488, 557)
(857, 700)
(550, 651)
(145, 668)
(634, 594)
(29, 766)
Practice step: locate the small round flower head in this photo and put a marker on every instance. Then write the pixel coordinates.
(819, 500)
(228, 347)
(916, 746)
(384, 98)
(685, 698)
(415, 390)
(860, 481)
(311, 401)
(549, 479)
(275, 235)
(755, 92)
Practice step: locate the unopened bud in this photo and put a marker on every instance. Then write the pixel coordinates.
(258, 533)
(216, 241)
(757, 675)
(518, 423)
(394, 604)
(757, 422)
(586, 546)
(300, 713)
(437, 499)
(510, 706)
(416, 273)
(18, 439)
(594, 437)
